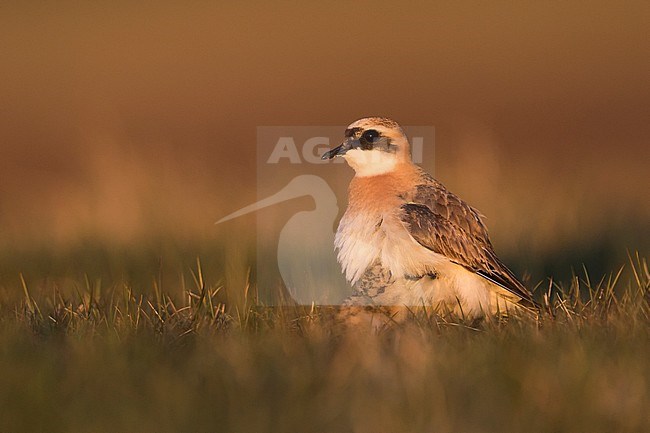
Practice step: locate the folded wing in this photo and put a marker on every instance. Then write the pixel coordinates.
(441, 222)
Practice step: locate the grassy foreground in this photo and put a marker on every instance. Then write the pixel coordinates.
(104, 359)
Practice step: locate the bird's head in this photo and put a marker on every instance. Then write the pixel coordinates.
(373, 146)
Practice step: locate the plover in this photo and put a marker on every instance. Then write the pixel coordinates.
(405, 240)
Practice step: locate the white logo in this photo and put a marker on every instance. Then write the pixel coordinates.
(304, 254)
(305, 251)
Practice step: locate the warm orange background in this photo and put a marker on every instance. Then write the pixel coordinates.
(122, 122)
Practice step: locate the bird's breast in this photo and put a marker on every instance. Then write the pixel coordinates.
(366, 238)
(359, 240)
(372, 229)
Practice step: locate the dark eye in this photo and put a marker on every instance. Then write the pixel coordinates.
(370, 135)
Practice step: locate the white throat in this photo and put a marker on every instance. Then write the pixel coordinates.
(370, 162)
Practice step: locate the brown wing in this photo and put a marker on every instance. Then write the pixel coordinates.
(446, 225)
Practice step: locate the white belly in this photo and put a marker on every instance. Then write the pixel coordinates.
(362, 240)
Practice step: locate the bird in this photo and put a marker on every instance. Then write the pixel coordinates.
(405, 240)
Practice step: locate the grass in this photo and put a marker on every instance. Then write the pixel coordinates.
(106, 358)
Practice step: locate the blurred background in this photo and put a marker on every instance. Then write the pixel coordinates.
(127, 130)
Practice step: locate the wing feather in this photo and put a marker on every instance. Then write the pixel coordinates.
(443, 223)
